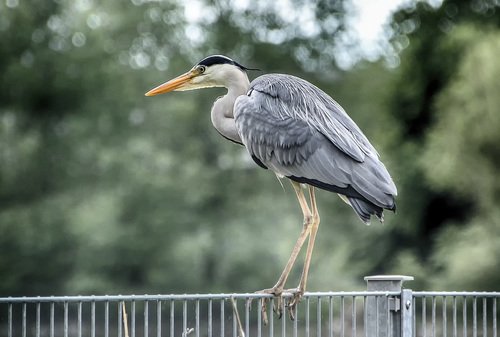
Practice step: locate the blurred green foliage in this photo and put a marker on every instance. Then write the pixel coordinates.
(103, 190)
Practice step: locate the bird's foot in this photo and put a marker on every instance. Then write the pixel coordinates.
(292, 302)
(279, 304)
(277, 292)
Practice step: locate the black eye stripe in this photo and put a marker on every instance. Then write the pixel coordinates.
(219, 59)
(216, 59)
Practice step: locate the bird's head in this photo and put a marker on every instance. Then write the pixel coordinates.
(212, 71)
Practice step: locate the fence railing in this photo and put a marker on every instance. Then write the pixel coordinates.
(384, 309)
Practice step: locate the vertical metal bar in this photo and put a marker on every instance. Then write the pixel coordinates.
(235, 321)
(307, 317)
(455, 316)
(9, 328)
(259, 317)
(366, 325)
(464, 317)
(146, 318)
(158, 318)
(485, 313)
(106, 318)
(119, 320)
(66, 319)
(222, 319)
(433, 316)
(172, 318)
(444, 318)
(377, 328)
(184, 317)
(37, 323)
(353, 317)
(283, 321)
(209, 328)
(318, 317)
(24, 321)
(414, 313)
(295, 323)
(247, 317)
(424, 316)
(92, 319)
(80, 304)
(388, 316)
(494, 317)
(330, 316)
(271, 319)
(342, 316)
(197, 317)
(132, 319)
(474, 317)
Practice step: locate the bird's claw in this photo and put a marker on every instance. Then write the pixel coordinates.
(292, 302)
(277, 302)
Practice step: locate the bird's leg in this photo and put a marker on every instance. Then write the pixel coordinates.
(277, 289)
(312, 238)
(310, 245)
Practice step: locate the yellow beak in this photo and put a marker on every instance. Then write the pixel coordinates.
(173, 84)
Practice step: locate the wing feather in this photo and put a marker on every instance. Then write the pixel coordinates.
(290, 96)
(293, 128)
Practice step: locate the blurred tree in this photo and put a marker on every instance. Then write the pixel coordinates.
(35, 245)
(462, 158)
(440, 41)
(75, 129)
(62, 127)
(104, 190)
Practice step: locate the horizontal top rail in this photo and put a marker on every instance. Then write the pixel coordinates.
(187, 297)
(226, 296)
(456, 293)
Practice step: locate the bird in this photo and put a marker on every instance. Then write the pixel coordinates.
(293, 128)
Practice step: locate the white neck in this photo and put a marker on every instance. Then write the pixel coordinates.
(237, 84)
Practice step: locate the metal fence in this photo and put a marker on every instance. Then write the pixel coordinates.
(385, 309)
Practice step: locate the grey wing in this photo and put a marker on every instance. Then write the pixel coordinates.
(295, 97)
(279, 137)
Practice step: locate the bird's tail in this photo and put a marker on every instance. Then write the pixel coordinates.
(365, 209)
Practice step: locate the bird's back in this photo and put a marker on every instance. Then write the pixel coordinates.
(305, 101)
(294, 128)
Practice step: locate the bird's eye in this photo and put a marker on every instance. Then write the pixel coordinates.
(202, 69)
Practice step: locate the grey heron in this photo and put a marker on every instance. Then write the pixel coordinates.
(296, 130)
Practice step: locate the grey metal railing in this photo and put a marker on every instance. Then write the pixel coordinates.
(386, 309)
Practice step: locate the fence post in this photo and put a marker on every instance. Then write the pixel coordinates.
(407, 311)
(383, 316)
